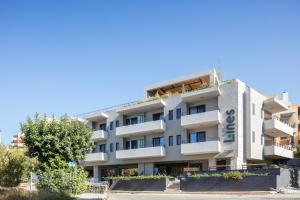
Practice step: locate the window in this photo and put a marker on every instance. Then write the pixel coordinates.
(134, 144)
(196, 109)
(111, 147)
(178, 113)
(127, 145)
(141, 143)
(194, 137)
(253, 136)
(157, 141)
(157, 116)
(111, 125)
(102, 148)
(117, 146)
(170, 114)
(253, 109)
(170, 140)
(178, 139)
(117, 123)
(102, 127)
(130, 121)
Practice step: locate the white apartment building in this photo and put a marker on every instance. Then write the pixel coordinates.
(195, 121)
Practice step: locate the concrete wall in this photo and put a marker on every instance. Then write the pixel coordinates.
(254, 149)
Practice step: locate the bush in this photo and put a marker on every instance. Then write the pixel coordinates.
(197, 176)
(20, 194)
(70, 179)
(235, 175)
(14, 166)
(138, 177)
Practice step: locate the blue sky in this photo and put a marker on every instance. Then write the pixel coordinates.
(60, 57)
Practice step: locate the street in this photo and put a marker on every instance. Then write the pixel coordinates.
(164, 196)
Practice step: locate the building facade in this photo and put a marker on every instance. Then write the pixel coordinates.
(196, 121)
(17, 141)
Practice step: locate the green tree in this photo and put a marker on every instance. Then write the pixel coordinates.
(56, 142)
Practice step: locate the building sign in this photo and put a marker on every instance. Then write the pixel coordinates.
(230, 126)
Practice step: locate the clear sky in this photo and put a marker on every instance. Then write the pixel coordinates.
(60, 57)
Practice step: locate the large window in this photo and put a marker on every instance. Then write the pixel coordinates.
(131, 144)
(117, 123)
(178, 113)
(170, 114)
(196, 109)
(102, 127)
(178, 139)
(130, 121)
(117, 146)
(194, 137)
(158, 141)
(157, 116)
(102, 148)
(170, 140)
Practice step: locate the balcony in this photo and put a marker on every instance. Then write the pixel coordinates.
(147, 152)
(274, 105)
(140, 107)
(158, 126)
(96, 157)
(275, 128)
(99, 135)
(204, 119)
(200, 148)
(277, 152)
(198, 95)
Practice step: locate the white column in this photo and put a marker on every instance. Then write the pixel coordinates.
(212, 164)
(96, 173)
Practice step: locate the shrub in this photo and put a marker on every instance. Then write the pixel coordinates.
(235, 175)
(20, 194)
(69, 179)
(197, 176)
(14, 166)
(138, 177)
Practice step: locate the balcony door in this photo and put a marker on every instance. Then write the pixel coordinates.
(157, 116)
(194, 137)
(157, 141)
(196, 109)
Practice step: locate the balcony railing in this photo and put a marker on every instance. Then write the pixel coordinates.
(146, 152)
(276, 128)
(211, 117)
(96, 157)
(157, 126)
(278, 151)
(99, 135)
(201, 147)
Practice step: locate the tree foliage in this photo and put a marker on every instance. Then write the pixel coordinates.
(56, 142)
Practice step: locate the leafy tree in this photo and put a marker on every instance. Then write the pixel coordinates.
(56, 142)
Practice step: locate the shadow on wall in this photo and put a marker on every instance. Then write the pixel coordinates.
(294, 178)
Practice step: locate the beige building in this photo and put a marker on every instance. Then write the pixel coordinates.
(292, 116)
(18, 141)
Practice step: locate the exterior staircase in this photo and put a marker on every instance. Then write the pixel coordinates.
(173, 186)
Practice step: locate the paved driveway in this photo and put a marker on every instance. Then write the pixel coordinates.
(153, 196)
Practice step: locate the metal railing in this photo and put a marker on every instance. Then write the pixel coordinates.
(207, 109)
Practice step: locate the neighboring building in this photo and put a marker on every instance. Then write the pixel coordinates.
(195, 121)
(292, 116)
(18, 141)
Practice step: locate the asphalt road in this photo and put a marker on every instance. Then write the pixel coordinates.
(159, 196)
